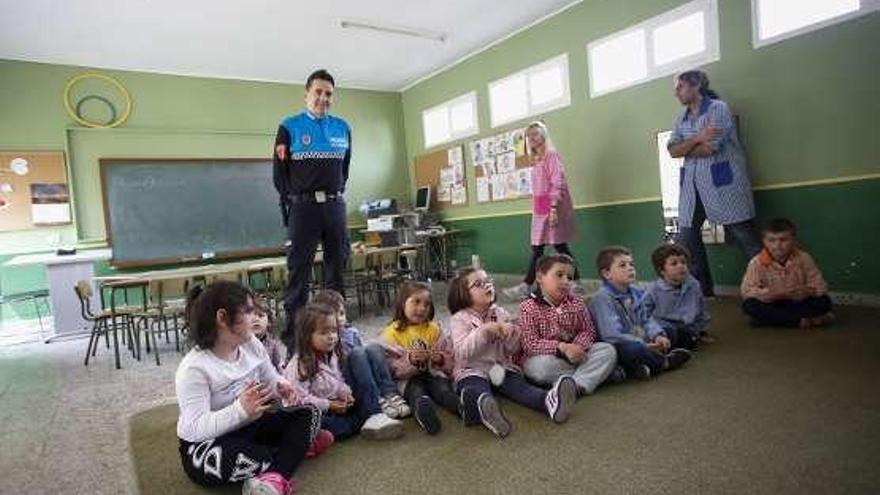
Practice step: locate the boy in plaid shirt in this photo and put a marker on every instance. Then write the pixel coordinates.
(557, 332)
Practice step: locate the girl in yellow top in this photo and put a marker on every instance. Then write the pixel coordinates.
(420, 355)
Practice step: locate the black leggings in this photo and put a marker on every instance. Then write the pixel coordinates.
(537, 252)
(276, 442)
(439, 389)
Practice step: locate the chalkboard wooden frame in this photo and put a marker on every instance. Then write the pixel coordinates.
(104, 164)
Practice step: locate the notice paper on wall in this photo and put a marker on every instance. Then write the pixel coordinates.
(483, 189)
(50, 204)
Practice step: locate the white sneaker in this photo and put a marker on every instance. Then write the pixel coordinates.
(497, 374)
(561, 398)
(400, 406)
(380, 427)
(388, 408)
(517, 292)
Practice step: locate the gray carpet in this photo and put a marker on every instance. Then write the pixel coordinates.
(759, 411)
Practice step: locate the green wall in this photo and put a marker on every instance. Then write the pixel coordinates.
(176, 117)
(808, 110)
(183, 117)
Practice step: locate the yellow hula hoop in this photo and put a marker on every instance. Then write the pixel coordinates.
(94, 75)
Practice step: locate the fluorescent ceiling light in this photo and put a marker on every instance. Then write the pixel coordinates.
(402, 31)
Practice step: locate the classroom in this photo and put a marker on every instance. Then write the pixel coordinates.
(558, 246)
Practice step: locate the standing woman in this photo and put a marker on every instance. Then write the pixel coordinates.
(714, 182)
(552, 208)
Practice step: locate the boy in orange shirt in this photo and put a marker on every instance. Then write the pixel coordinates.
(782, 285)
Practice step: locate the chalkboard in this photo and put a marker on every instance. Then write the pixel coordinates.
(169, 211)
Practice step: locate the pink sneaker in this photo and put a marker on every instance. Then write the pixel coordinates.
(268, 483)
(323, 440)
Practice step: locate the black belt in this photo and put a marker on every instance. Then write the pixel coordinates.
(315, 197)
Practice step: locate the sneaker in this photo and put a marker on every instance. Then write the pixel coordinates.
(517, 292)
(388, 408)
(468, 395)
(642, 372)
(323, 440)
(492, 417)
(561, 398)
(267, 483)
(380, 427)
(426, 415)
(676, 358)
(403, 409)
(618, 375)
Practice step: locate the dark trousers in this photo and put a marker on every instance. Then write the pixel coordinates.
(366, 404)
(786, 312)
(276, 442)
(439, 389)
(691, 238)
(308, 224)
(369, 363)
(537, 252)
(515, 387)
(683, 336)
(631, 354)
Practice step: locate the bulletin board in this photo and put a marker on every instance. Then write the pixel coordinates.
(502, 168)
(34, 190)
(444, 172)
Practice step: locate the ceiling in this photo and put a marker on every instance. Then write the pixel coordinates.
(265, 40)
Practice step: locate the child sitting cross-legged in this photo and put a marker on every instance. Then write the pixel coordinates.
(675, 300)
(557, 332)
(782, 284)
(643, 348)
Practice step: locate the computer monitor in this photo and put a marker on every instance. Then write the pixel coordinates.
(423, 198)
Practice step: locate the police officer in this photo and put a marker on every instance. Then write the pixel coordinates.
(312, 156)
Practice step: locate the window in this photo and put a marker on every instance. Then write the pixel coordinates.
(535, 90)
(776, 20)
(674, 41)
(454, 119)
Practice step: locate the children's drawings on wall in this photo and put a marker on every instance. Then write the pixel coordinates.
(495, 159)
(452, 187)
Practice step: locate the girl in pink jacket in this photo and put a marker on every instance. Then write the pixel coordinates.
(484, 342)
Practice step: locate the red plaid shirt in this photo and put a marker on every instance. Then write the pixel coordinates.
(544, 326)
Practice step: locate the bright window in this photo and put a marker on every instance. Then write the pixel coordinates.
(454, 119)
(537, 89)
(776, 20)
(671, 42)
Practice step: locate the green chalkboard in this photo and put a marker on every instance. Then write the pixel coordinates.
(168, 211)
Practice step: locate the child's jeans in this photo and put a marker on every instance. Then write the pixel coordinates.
(370, 360)
(359, 376)
(682, 336)
(438, 388)
(514, 387)
(786, 312)
(631, 354)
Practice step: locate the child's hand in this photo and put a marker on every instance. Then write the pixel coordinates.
(662, 343)
(800, 293)
(437, 359)
(255, 399)
(574, 353)
(338, 406)
(349, 399)
(287, 393)
(419, 358)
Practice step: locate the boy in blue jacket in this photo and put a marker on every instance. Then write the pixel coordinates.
(643, 348)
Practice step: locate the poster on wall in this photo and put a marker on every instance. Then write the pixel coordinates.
(50, 204)
(483, 189)
(459, 195)
(525, 181)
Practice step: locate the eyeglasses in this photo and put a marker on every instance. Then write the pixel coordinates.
(482, 283)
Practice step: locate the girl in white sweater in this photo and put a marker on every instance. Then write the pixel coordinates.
(230, 426)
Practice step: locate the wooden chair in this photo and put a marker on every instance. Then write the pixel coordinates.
(103, 322)
(388, 275)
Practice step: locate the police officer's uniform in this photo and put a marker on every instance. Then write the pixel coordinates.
(310, 185)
